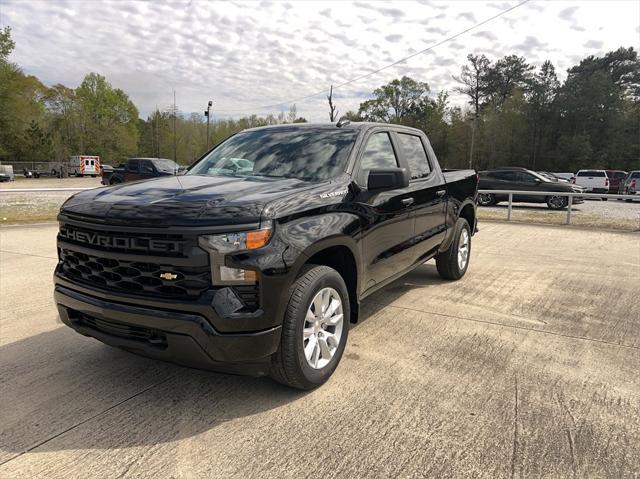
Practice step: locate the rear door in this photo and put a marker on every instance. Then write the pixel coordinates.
(132, 170)
(388, 227)
(428, 191)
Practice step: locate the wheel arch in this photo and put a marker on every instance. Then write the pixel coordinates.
(341, 254)
(468, 212)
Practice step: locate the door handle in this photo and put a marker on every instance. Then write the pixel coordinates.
(441, 193)
(408, 201)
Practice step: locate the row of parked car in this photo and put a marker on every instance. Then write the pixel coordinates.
(584, 181)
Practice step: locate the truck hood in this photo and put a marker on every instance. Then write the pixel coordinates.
(191, 200)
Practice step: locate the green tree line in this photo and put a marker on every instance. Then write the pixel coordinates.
(516, 115)
(522, 116)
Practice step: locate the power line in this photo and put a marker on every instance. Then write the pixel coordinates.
(402, 60)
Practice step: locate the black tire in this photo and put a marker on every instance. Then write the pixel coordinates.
(605, 199)
(447, 261)
(557, 202)
(289, 365)
(114, 181)
(486, 199)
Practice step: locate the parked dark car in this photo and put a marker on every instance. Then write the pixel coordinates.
(616, 178)
(521, 179)
(259, 264)
(630, 185)
(138, 169)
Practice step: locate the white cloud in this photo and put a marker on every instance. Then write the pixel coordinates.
(245, 54)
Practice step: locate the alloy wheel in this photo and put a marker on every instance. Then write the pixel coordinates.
(463, 249)
(323, 327)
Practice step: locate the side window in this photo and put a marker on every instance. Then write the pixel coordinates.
(133, 166)
(506, 176)
(146, 167)
(413, 149)
(526, 177)
(378, 154)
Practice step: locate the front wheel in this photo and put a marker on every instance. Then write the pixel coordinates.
(314, 330)
(557, 202)
(453, 263)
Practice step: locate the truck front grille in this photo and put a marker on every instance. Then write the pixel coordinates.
(134, 277)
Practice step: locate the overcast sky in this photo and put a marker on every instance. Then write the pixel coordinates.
(244, 55)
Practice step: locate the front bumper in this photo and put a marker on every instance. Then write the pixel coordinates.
(184, 338)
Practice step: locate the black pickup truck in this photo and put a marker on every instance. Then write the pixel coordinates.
(135, 169)
(256, 260)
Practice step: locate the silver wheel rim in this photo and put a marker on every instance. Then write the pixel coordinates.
(484, 199)
(463, 249)
(322, 330)
(556, 201)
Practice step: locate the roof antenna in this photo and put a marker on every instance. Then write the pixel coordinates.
(342, 122)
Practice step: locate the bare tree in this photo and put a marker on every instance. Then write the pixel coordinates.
(333, 112)
(474, 85)
(293, 114)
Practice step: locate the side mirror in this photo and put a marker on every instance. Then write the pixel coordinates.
(381, 179)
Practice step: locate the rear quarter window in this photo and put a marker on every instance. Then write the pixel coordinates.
(416, 155)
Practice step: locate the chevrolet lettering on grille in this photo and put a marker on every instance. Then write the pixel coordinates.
(122, 242)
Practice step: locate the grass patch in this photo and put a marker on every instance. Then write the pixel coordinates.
(12, 215)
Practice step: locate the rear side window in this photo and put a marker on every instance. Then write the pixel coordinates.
(378, 153)
(133, 165)
(505, 175)
(413, 149)
(592, 173)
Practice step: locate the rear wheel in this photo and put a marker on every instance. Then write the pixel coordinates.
(557, 202)
(486, 199)
(453, 263)
(314, 330)
(115, 181)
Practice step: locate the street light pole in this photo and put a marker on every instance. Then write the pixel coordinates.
(207, 113)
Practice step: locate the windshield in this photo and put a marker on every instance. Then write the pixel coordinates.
(303, 153)
(165, 165)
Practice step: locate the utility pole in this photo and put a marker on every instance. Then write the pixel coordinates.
(175, 144)
(207, 113)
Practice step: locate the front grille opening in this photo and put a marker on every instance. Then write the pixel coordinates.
(134, 277)
(151, 337)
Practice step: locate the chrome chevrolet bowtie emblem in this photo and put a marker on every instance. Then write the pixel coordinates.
(168, 276)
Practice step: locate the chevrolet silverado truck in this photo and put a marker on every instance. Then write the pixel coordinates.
(257, 259)
(138, 169)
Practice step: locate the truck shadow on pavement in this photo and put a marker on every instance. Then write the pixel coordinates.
(63, 391)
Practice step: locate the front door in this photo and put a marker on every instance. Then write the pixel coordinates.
(389, 225)
(147, 170)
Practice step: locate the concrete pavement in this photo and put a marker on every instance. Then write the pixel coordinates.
(527, 367)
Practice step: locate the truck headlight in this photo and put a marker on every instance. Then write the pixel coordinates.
(219, 245)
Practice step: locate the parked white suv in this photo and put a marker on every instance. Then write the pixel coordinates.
(595, 181)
